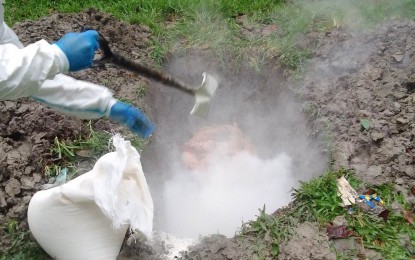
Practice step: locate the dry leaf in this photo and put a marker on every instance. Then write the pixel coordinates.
(408, 216)
(384, 214)
(338, 231)
(369, 192)
(413, 189)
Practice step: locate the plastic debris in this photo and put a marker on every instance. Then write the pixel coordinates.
(346, 192)
(60, 179)
(369, 200)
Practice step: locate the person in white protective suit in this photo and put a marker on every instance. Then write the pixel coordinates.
(35, 71)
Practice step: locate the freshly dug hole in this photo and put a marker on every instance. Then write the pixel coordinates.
(215, 197)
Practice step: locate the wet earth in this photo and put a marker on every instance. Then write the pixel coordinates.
(359, 89)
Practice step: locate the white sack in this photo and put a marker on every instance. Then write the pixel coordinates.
(87, 218)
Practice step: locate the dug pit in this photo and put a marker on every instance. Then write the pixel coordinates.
(208, 175)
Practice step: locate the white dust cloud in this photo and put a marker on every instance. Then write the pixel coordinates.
(231, 191)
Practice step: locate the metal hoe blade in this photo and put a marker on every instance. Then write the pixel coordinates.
(204, 94)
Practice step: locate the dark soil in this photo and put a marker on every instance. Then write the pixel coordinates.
(368, 76)
(28, 129)
(352, 77)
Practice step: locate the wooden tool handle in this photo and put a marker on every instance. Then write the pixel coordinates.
(150, 73)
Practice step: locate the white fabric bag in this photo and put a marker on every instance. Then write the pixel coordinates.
(88, 217)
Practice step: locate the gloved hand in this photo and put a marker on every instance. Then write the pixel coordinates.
(79, 48)
(132, 117)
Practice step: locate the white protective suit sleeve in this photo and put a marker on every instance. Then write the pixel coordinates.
(32, 72)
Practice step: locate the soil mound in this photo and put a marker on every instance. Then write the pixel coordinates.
(362, 86)
(28, 129)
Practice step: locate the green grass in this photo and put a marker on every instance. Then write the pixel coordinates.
(23, 246)
(211, 23)
(269, 231)
(95, 144)
(318, 201)
(66, 153)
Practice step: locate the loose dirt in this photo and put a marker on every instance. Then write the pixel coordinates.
(368, 76)
(352, 77)
(28, 129)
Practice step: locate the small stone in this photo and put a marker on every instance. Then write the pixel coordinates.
(388, 113)
(27, 183)
(13, 187)
(398, 57)
(340, 221)
(17, 211)
(397, 207)
(373, 255)
(396, 106)
(37, 177)
(399, 95)
(400, 181)
(145, 28)
(346, 245)
(377, 136)
(22, 109)
(364, 113)
(402, 121)
(409, 170)
(3, 202)
(406, 242)
(375, 74)
(28, 170)
(374, 175)
(26, 199)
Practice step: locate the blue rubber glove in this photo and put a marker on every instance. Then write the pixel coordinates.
(132, 117)
(79, 48)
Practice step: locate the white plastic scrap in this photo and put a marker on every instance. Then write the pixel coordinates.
(346, 192)
(60, 179)
(88, 217)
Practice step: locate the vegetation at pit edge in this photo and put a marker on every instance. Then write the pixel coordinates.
(213, 24)
(95, 144)
(318, 201)
(23, 246)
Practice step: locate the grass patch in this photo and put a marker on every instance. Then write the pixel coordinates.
(22, 244)
(94, 145)
(212, 24)
(66, 153)
(318, 201)
(270, 231)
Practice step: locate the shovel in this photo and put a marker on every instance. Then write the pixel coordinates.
(203, 94)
